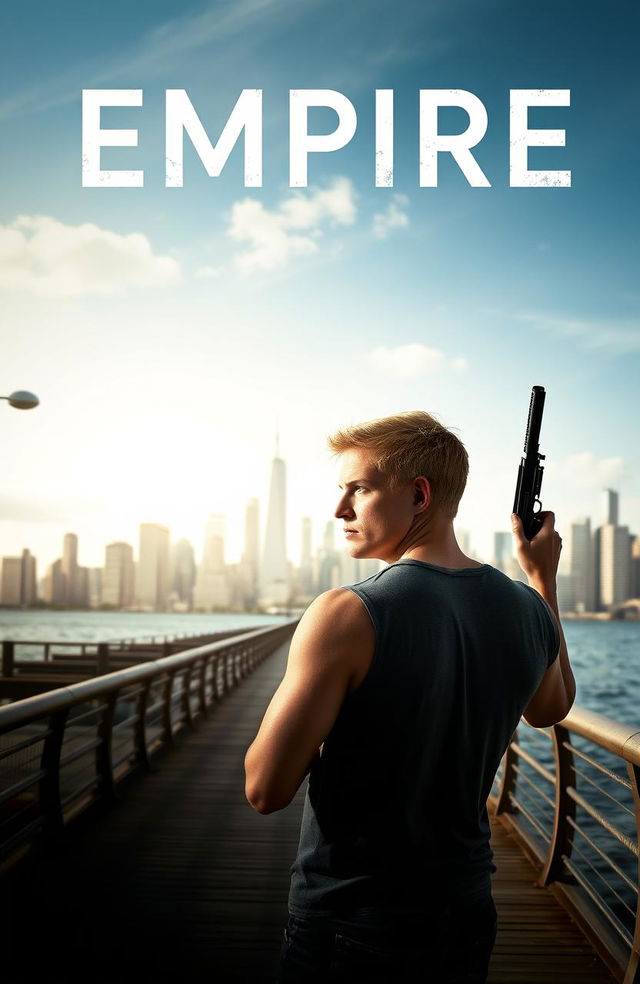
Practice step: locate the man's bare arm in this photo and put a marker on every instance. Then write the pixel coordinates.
(539, 560)
(333, 639)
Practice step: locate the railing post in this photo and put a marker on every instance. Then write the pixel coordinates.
(104, 758)
(186, 696)
(141, 726)
(49, 786)
(225, 673)
(102, 666)
(8, 656)
(508, 787)
(632, 975)
(167, 728)
(202, 686)
(565, 806)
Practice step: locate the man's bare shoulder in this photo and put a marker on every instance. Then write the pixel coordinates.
(338, 614)
(338, 609)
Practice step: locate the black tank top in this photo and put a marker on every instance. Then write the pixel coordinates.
(395, 807)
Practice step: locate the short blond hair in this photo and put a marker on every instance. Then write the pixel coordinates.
(410, 444)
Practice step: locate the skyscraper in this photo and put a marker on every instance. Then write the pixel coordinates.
(183, 572)
(306, 562)
(10, 589)
(581, 566)
(118, 579)
(152, 576)
(69, 569)
(615, 564)
(611, 502)
(249, 563)
(274, 580)
(612, 556)
(212, 588)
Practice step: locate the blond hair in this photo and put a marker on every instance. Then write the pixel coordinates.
(410, 444)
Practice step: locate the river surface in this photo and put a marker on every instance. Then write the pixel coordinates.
(605, 655)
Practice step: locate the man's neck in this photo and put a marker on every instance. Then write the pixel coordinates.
(437, 545)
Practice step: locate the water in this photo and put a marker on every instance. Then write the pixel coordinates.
(605, 655)
(48, 626)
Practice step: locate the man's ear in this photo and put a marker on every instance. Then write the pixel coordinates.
(422, 492)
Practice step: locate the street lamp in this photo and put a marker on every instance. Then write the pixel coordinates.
(22, 400)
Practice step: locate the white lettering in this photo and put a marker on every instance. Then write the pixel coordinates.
(302, 143)
(181, 116)
(93, 138)
(457, 144)
(384, 138)
(521, 138)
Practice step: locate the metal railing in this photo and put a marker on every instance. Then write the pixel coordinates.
(570, 795)
(64, 751)
(23, 654)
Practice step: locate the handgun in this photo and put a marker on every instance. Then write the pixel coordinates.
(530, 470)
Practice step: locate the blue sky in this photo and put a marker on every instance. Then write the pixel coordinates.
(166, 329)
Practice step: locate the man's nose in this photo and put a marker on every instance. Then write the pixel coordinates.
(343, 508)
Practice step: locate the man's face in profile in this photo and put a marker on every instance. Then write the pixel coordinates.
(376, 514)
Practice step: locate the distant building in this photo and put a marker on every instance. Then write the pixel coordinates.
(306, 561)
(330, 563)
(11, 581)
(502, 551)
(581, 567)
(183, 572)
(118, 576)
(615, 564)
(212, 589)
(18, 584)
(274, 577)
(152, 575)
(94, 578)
(55, 585)
(634, 591)
(611, 503)
(250, 562)
(70, 570)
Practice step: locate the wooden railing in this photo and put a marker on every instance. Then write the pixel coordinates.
(64, 751)
(570, 795)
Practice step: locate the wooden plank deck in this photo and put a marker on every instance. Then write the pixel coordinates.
(182, 881)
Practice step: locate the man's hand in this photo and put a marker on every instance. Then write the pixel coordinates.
(538, 558)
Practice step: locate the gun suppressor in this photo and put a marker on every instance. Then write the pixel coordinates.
(527, 503)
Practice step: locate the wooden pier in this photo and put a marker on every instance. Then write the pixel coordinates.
(180, 880)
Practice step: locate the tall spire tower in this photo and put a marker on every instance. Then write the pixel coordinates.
(274, 586)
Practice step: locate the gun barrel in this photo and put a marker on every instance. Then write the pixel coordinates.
(534, 421)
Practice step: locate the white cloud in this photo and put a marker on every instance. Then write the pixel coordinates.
(41, 255)
(587, 471)
(207, 272)
(413, 360)
(395, 217)
(275, 236)
(616, 338)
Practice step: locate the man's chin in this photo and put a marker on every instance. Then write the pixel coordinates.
(359, 551)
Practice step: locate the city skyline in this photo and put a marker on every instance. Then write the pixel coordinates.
(166, 330)
(599, 569)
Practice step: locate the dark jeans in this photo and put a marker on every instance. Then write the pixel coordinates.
(451, 945)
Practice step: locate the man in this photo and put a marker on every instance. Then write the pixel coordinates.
(400, 696)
